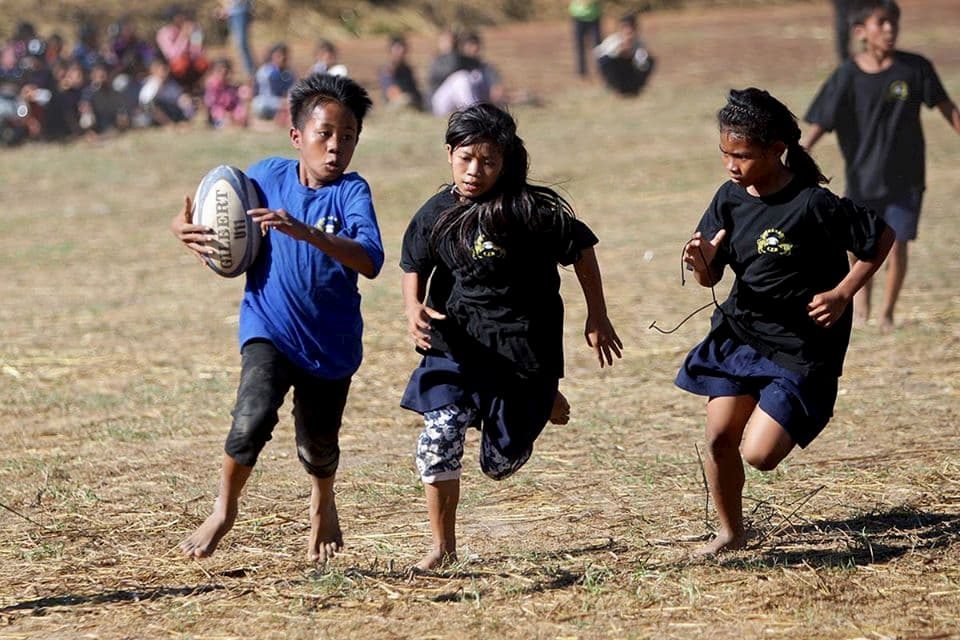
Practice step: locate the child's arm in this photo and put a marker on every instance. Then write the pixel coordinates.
(949, 110)
(347, 252)
(813, 134)
(419, 315)
(827, 307)
(598, 331)
(193, 236)
(699, 255)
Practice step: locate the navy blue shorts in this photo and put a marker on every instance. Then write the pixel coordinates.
(901, 213)
(512, 413)
(722, 365)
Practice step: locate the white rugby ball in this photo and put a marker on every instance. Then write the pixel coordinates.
(221, 203)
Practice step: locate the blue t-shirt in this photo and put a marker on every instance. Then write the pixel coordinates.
(297, 297)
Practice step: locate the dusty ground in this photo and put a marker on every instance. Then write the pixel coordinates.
(118, 365)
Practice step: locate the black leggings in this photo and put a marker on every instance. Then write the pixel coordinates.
(265, 377)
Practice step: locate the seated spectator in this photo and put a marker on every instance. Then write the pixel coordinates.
(102, 108)
(225, 101)
(274, 80)
(129, 54)
(472, 48)
(325, 60)
(622, 58)
(71, 86)
(162, 98)
(181, 43)
(55, 50)
(397, 82)
(475, 81)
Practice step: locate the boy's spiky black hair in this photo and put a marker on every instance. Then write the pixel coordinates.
(320, 88)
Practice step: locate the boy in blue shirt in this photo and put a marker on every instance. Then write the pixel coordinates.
(873, 102)
(300, 323)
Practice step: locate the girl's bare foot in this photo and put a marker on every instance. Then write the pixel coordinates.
(560, 414)
(436, 559)
(724, 541)
(326, 539)
(203, 542)
(886, 324)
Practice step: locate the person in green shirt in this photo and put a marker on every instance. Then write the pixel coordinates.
(586, 24)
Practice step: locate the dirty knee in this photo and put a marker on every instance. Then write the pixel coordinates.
(319, 460)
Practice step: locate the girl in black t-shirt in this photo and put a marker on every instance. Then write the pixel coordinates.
(771, 361)
(491, 329)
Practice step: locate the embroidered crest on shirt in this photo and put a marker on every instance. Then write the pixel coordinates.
(772, 241)
(483, 248)
(898, 90)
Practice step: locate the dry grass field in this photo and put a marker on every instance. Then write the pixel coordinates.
(118, 365)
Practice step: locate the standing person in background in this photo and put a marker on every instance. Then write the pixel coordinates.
(586, 29)
(873, 102)
(239, 15)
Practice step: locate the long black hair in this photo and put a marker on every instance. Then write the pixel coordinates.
(754, 115)
(513, 205)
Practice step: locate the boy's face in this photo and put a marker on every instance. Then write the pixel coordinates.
(879, 31)
(476, 168)
(326, 143)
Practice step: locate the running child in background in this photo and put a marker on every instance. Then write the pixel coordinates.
(775, 351)
(300, 322)
(873, 102)
(491, 329)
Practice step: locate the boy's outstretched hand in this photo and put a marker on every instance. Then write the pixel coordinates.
(281, 221)
(603, 338)
(193, 236)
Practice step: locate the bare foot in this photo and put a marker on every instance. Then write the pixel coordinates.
(860, 319)
(721, 543)
(436, 559)
(203, 542)
(560, 414)
(326, 539)
(886, 324)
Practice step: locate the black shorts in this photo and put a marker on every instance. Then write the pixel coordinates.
(265, 377)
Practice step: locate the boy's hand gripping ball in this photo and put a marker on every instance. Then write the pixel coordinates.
(221, 203)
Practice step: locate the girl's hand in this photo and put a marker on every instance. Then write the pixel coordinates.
(698, 254)
(604, 340)
(281, 221)
(419, 318)
(827, 307)
(193, 236)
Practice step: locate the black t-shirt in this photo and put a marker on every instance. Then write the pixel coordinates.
(877, 120)
(503, 307)
(784, 249)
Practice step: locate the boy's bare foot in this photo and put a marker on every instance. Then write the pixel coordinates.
(326, 539)
(721, 543)
(886, 324)
(436, 559)
(203, 542)
(560, 414)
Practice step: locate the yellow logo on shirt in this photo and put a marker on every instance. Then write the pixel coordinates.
(483, 248)
(773, 241)
(898, 90)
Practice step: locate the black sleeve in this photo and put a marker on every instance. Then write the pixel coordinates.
(933, 91)
(826, 107)
(416, 255)
(712, 221)
(854, 227)
(578, 237)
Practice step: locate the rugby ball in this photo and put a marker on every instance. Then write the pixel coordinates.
(221, 203)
